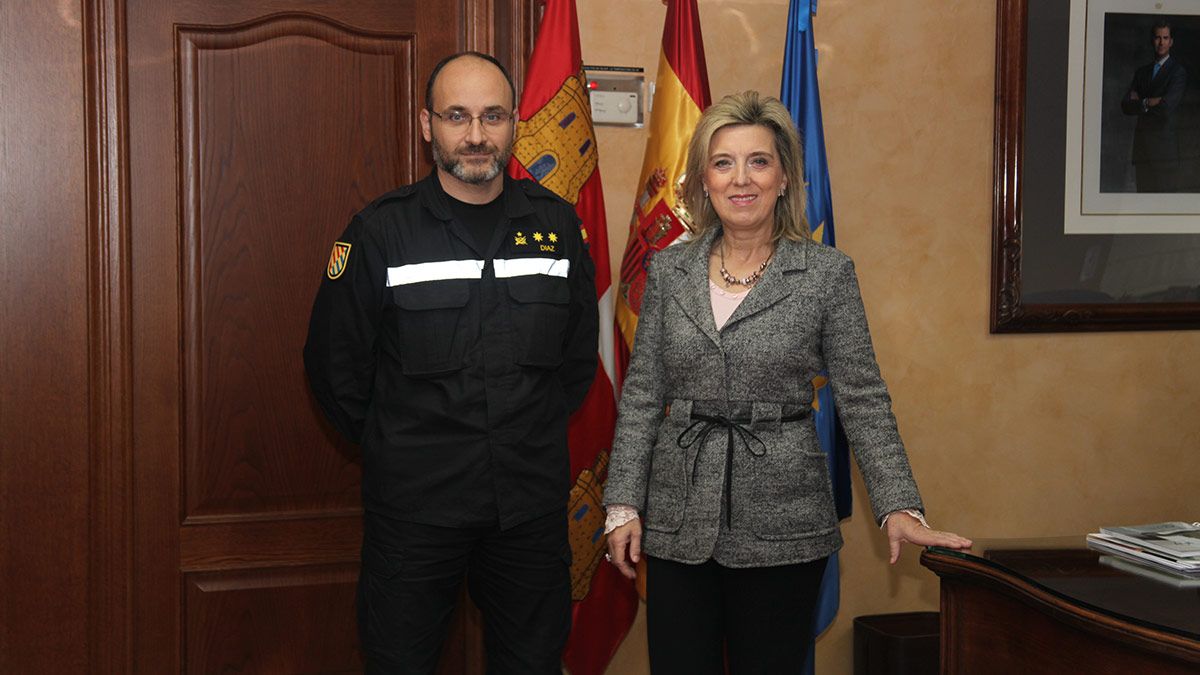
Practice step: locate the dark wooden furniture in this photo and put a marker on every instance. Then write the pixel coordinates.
(1054, 606)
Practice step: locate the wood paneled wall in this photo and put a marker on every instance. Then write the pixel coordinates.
(151, 407)
(44, 346)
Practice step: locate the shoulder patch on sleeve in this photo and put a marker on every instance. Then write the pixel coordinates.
(338, 259)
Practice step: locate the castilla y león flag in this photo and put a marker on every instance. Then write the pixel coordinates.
(556, 146)
(659, 217)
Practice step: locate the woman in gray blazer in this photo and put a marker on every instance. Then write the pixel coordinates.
(715, 446)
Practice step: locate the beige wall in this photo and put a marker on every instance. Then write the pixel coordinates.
(1008, 435)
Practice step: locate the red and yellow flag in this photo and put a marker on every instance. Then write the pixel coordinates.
(658, 214)
(556, 146)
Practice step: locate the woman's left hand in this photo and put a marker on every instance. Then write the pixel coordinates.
(902, 527)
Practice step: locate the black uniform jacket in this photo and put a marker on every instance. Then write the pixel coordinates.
(455, 368)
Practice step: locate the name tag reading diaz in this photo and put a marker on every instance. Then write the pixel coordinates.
(545, 243)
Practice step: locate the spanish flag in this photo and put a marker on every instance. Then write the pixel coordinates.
(659, 218)
(556, 146)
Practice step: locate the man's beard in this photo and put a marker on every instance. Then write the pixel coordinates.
(451, 164)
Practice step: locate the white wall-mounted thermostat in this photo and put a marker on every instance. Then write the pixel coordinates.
(615, 93)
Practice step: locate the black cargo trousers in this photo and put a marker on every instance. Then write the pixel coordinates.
(410, 580)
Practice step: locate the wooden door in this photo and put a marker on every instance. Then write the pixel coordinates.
(255, 131)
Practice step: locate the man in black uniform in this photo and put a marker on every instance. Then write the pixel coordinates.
(1154, 97)
(453, 336)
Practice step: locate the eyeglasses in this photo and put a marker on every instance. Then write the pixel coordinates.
(461, 119)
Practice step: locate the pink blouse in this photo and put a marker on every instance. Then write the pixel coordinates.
(724, 302)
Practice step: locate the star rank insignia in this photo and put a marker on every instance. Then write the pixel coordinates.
(545, 248)
(553, 238)
(520, 240)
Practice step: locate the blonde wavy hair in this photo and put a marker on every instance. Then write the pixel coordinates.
(748, 107)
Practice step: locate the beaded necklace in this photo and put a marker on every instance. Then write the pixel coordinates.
(748, 280)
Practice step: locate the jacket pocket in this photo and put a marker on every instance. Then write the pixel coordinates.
(433, 326)
(793, 497)
(540, 309)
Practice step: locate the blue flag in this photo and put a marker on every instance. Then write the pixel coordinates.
(800, 93)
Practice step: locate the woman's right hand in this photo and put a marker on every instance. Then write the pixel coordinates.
(625, 547)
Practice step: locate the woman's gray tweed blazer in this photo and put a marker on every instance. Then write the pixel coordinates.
(803, 317)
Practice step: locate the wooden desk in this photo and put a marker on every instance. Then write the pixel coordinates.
(1055, 606)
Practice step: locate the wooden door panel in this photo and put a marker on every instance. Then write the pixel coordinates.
(256, 131)
(262, 621)
(289, 125)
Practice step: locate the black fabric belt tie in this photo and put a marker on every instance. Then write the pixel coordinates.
(697, 433)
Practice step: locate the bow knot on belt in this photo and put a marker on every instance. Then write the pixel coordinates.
(697, 433)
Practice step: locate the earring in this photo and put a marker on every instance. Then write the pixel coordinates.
(782, 190)
(705, 192)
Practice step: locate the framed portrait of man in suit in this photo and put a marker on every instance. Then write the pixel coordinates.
(1133, 118)
(1096, 199)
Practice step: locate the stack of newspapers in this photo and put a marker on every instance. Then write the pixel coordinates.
(1169, 547)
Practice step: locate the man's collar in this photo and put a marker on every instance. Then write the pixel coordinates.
(435, 199)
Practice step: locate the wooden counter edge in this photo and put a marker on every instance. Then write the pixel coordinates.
(976, 572)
